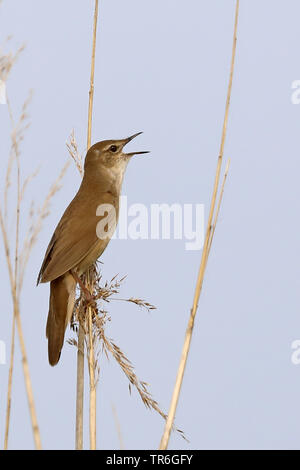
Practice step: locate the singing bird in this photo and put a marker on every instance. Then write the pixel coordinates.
(76, 243)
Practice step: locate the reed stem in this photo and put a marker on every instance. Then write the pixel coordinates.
(81, 333)
(207, 244)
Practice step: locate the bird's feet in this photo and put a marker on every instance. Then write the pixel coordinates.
(89, 298)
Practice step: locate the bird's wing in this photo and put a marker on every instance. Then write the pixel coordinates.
(75, 238)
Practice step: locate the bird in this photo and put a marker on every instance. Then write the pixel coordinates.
(79, 238)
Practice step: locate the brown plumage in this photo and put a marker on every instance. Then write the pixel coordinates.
(75, 244)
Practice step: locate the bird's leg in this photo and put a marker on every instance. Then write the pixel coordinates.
(89, 297)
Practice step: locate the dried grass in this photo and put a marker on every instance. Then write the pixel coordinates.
(211, 224)
(17, 251)
(103, 294)
(8, 60)
(77, 158)
(72, 147)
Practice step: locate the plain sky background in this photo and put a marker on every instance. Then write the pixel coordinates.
(162, 66)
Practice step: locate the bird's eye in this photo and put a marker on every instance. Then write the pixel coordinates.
(113, 148)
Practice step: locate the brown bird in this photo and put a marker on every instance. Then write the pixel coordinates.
(82, 234)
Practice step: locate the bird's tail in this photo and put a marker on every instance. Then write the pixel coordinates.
(61, 304)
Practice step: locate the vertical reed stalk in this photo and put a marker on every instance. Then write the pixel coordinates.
(12, 350)
(35, 428)
(92, 383)
(118, 427)
(81, 334)
(90, 282)
(9, 387)
(16, 313)
(91, 91)
(15, 292)
(207, 244)
(80, 388)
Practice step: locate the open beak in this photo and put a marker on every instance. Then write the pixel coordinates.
(128, 140)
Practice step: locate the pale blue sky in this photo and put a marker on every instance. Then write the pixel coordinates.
(162, 67)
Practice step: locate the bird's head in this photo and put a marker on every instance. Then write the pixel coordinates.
(110, 153)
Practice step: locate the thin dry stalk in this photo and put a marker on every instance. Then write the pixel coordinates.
(90, 281)
(7, 61)
(12, 350)
(34, 423)
(16, 281)
(80, 389)
(218, 206)
(17, 266)
(91, 362)
(9, 386)
(77, 158)
(209, 232)
(91, 91)
(17, 136)
(92, 383)
(16, 310)
(118, 427)
(74, 152)
(80, 364)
